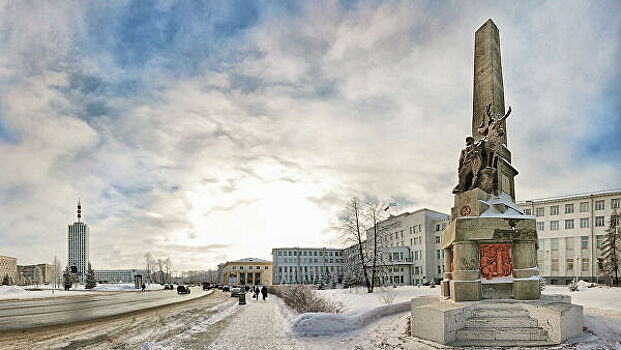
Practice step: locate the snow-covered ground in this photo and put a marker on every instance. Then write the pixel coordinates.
(47, 291)
(357, 300)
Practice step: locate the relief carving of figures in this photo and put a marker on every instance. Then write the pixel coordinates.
(496, 260)
(492, 133)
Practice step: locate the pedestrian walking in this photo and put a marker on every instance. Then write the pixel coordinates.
(143, 287)
(256, 292)
(264, 292)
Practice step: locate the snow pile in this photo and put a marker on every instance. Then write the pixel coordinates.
(17, 292)
(357, 301)
(317, 323)
(512, 210)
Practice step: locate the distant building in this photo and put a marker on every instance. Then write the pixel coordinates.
(571, 229)
(409, 247)
(307, 265)
(122, 276)
(27, 273)
(247, 272)
(78, 246)
(8, 268)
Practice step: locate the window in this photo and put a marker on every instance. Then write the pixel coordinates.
(527, 211)
(554, 242)
(438, 227)
(584, 207)
(553, 225)
(279, 253)
(584, 242)
(267, 267)
(438, 254)
(540, 265)
(569, 224)
(437, 239)
(599, 221)
(420, 227)
(599, 205)
(539, 211)
(554, 264)
(584, 222)
(570, 264)
(540, 225)
(585, 264)
(439, 269)
(554, 210)
(540, 244)
(614, 203)
(569, 208)
(600, 241)
(600, 263)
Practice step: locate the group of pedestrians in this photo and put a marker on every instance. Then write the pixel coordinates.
(257, 291)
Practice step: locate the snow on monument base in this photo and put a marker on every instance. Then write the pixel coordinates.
(496, 322)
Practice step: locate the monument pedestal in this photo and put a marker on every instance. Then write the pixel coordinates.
(550, 320)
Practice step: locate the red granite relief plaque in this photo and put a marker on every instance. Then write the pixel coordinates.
(495, 260)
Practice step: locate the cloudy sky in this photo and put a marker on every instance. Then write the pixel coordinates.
(218, 130)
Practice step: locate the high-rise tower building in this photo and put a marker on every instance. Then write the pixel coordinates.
(77, 246)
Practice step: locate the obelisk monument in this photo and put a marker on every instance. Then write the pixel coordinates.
(488, 88)
(491, 286)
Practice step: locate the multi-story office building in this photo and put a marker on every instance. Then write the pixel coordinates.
(8, 269)
(119, 276)
(409, 247)
(247, 272)
(307, 265)
(78, 246)
(570, 231)
(28, 272)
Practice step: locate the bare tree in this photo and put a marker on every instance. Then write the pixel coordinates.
(167, 264)
(375, 214)
(611, 247)
(148, 257)
(37, 276)
(57, 272)
(352, 231)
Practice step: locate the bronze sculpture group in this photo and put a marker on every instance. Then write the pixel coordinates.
(478, 162)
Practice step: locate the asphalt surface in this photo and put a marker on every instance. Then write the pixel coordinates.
(16, 315)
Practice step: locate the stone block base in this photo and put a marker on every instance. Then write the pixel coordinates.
(548, 321)
(465, 290)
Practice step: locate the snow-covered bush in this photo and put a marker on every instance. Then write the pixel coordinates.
(302, 299)
(387, 295)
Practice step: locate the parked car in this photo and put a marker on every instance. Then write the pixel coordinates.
(226, 288)
(235, 292)
(207, 286)
(168, 286)
(181, 289)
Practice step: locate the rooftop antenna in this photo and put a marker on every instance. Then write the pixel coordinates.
(79, 210)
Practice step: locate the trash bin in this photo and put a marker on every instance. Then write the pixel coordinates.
(242, 297)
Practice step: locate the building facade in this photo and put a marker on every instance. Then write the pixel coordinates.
(570, 231)
(307, 265)
(27, 273)
(409, 247)
(247, 272)
(119, 276)
(8, 268)
(78, 246)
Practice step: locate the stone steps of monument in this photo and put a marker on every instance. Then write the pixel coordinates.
(494, 322)
(499, 312)
(494, 335)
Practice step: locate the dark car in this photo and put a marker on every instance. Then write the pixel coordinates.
(183, 289)
(226, 288)
(207, 286)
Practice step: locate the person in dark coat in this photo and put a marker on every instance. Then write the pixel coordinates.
(143, 287)
(256, 292)
(264, 292)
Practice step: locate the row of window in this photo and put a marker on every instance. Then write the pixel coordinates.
(615, 203)
(569, 242)
(307, 253)
(600, 221)
(311, 260)
(248, 267)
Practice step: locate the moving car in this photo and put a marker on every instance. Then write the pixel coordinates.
(226, 288)
(235, 292)
(168, 286)
(207, 286)
(181, 289)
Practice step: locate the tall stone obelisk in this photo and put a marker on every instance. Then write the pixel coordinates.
(488, 87)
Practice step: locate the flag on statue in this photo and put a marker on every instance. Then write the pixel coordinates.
(393, 204)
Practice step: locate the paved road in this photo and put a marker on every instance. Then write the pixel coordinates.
(50, 312)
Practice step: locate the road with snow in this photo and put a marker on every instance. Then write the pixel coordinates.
(16, 315)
